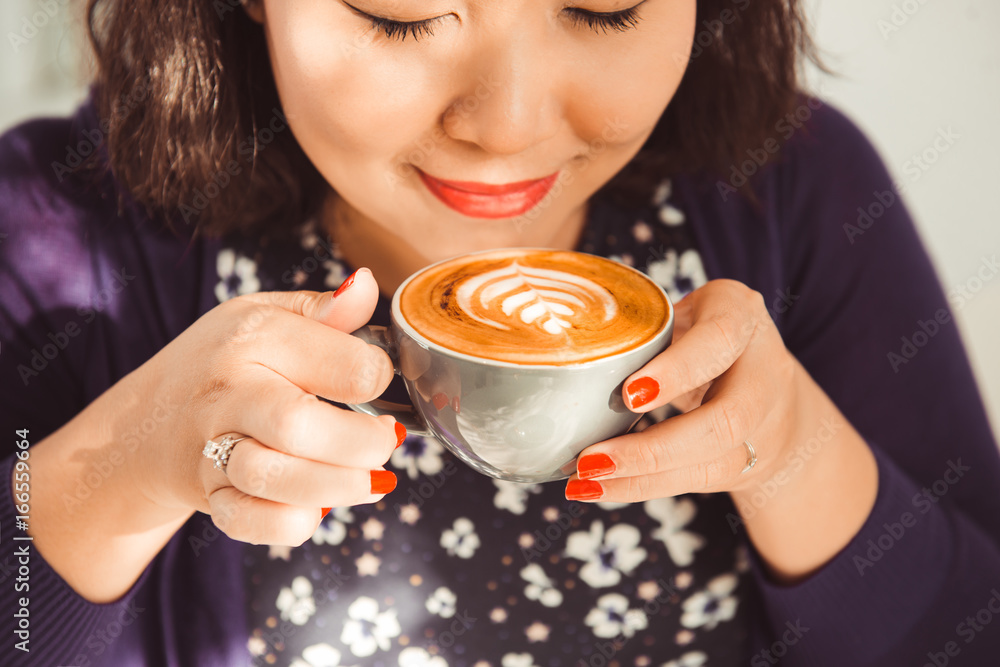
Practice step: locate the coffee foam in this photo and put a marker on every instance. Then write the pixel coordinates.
(534, 306)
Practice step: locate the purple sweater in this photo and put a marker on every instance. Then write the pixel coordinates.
(856, 301)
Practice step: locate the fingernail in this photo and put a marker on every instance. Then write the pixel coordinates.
(583, 489)
(400, 434)
(594, 465)
(383, 481)
(640, 392)
(325, 511)
(344, 285)
(439, 400)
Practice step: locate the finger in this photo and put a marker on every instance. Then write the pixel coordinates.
(258, 521)
(704, 477)
(346, 309)
(263, 472)
(352, 305)
(274, 411)
(310, 354)
(725, 319)
(729, 415)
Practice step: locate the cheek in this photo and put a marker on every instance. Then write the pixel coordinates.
(627, 89)
(341, 94)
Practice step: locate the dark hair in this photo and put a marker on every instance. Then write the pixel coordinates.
(185, 89)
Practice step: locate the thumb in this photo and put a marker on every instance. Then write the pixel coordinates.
(347, 309)
(352, 305)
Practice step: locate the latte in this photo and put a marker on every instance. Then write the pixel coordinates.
(538, 307)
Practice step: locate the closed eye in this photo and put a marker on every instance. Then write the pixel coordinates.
(619, 21)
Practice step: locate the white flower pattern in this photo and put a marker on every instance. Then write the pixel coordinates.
(442, 602)
(607, 555)
(512, 496)
(678, 275)
(540, 587)
(333, 528)
(612, 617)
(414, 656)
(296, 601)
(673, 514)
(418, 455)
(237, 275)
(368, 630)
(708, 607)
(318, 655)
(461, 539)
(689, 659)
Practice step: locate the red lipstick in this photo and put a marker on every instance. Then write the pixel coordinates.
(484, 200)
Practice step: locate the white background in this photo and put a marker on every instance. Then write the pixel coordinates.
(929, 65)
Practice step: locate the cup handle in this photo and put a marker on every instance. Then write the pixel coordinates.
(405, 414)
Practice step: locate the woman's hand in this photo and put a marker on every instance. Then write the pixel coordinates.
(254, 366)
(730, 374)
(113, 485)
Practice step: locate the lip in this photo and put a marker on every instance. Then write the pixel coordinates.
(485, 200)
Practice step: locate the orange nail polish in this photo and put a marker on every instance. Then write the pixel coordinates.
(583, 489)
(641, 391)
(439, 400)
(400, 434)
(344, 285)
(325, 511)
(383, 481)
(594, 465)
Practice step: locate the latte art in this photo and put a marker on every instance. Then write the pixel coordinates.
(539, 307)
(517, 295)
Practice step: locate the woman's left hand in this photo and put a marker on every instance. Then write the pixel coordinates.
(728, 370)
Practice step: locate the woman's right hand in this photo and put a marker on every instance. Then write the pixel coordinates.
(115, 483)
(254, 366)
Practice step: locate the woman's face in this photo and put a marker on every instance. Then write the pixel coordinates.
(482, 92)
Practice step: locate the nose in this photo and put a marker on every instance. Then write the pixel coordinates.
(508, 102)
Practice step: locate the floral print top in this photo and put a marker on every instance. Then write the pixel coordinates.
(456, 569)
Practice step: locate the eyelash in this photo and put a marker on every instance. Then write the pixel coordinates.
(620, 21)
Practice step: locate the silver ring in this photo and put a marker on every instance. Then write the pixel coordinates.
(751, 456)
(220, 451)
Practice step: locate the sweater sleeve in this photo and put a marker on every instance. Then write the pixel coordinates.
(871, 323)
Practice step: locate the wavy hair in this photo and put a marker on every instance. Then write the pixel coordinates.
(187, 98)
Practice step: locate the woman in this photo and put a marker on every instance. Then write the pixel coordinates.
(823, 497)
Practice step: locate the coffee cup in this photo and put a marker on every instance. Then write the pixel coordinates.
(514, 358)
